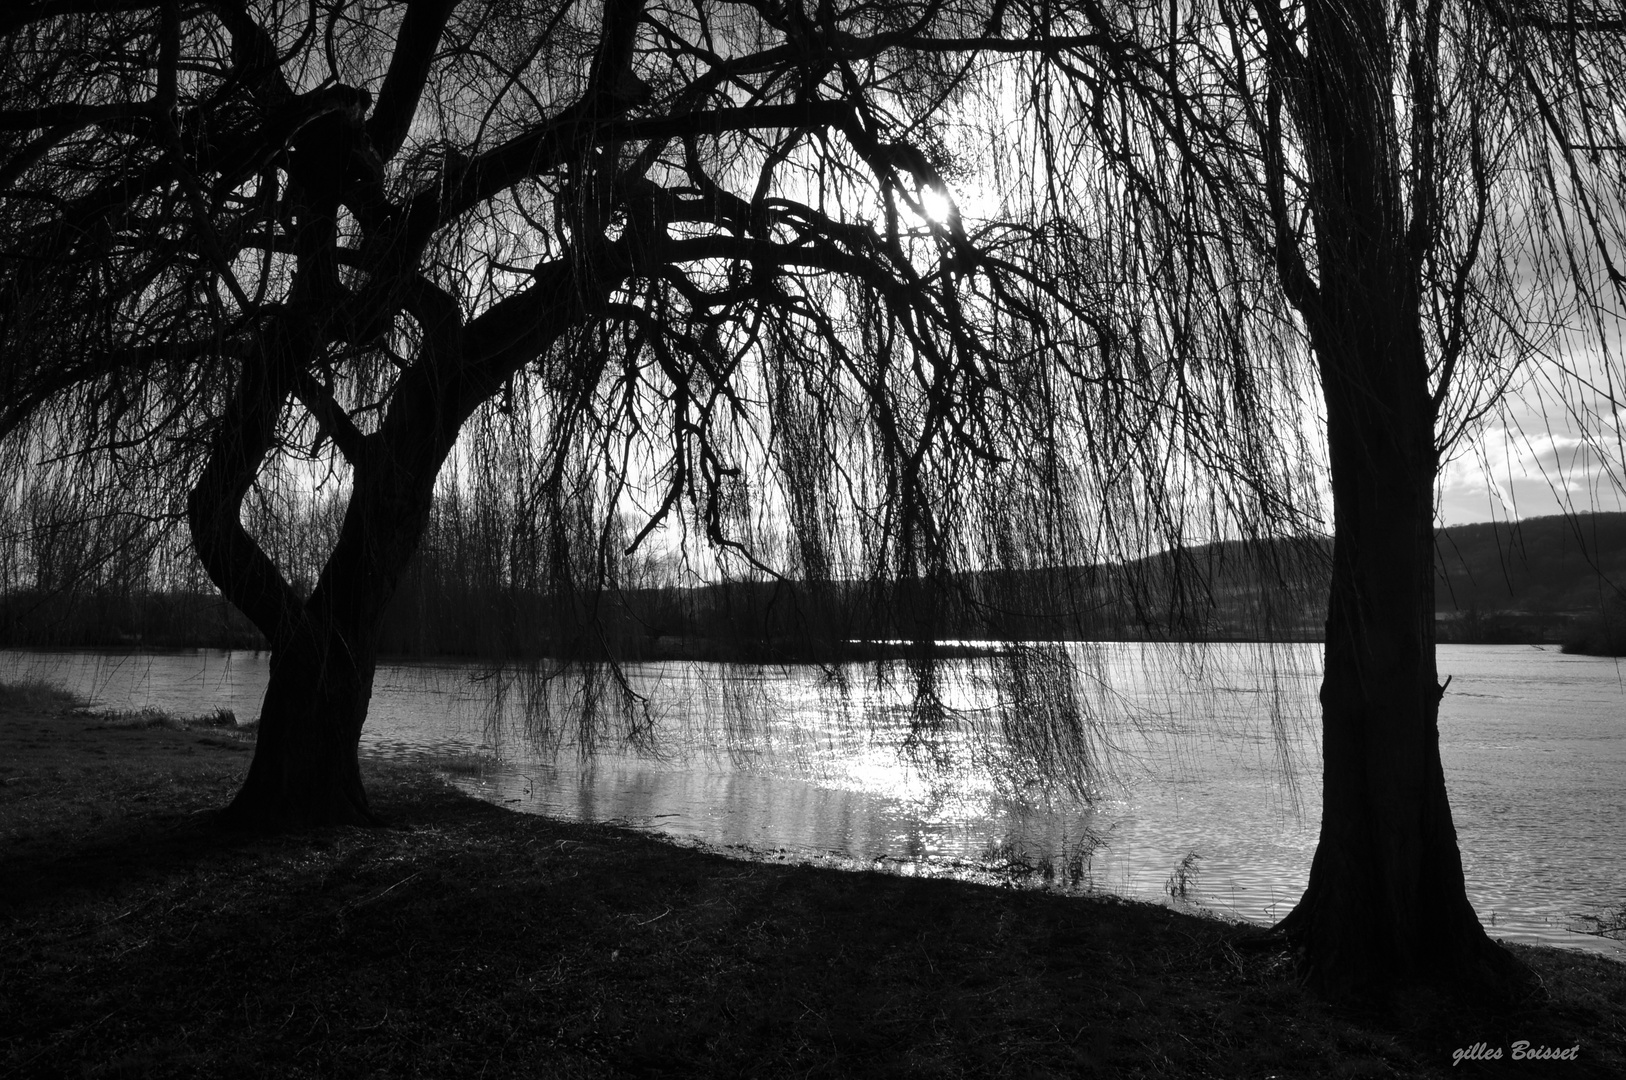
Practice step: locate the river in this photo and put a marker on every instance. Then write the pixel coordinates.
(1205, 789)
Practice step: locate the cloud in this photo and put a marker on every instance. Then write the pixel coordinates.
(1511, 471)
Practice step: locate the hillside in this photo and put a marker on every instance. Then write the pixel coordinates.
(1546, 579)
(1542, 580)
(1540, 565)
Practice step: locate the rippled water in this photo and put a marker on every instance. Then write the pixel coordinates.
(1209, 753)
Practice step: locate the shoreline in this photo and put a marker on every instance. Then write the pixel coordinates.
(139, 941)
(788, 654)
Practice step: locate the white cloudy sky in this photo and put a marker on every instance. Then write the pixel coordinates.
(1537, 458)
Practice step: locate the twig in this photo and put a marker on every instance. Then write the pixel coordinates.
(657, 918)
(380, 895)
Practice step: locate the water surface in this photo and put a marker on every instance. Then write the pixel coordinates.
(1207, 767)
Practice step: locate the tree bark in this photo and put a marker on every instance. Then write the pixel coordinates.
(306, 769)
(1386, 903)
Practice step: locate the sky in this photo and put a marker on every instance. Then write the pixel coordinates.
(1508, 477)
(1536, 458)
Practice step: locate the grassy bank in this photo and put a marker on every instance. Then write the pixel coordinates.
(466, 940)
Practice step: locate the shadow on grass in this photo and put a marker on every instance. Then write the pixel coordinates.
(470, 940)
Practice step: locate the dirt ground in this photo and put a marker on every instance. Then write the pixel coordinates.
(138, 940)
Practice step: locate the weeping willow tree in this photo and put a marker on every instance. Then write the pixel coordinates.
(932, 298)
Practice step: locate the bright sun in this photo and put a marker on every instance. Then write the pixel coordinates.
(937, 204)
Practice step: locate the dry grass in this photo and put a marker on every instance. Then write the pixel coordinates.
(471, 941)
(35, 696)
(223, 719)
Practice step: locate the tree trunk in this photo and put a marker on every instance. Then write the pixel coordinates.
(1386, 903)
(306, 771)
(324, 649)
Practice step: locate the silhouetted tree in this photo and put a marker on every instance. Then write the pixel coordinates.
(694, 269)
(1435, 188)
(1440, 188)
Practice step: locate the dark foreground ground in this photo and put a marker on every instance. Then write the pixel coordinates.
(135, 940)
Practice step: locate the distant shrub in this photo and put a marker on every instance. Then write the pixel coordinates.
(1604, 634)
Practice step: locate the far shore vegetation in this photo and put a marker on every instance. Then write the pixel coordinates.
(1552, 580)
(463, 940)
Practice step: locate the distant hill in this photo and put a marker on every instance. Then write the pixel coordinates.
(1544, 565)
(1540, 580)
(1548, 579)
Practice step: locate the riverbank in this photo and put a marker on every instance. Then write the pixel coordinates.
(465, 939)
(1601, 634)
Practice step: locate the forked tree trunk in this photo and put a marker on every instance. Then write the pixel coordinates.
(306, 769)
(1386, 903)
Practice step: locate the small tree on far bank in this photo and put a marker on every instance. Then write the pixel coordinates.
(1603, 634)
